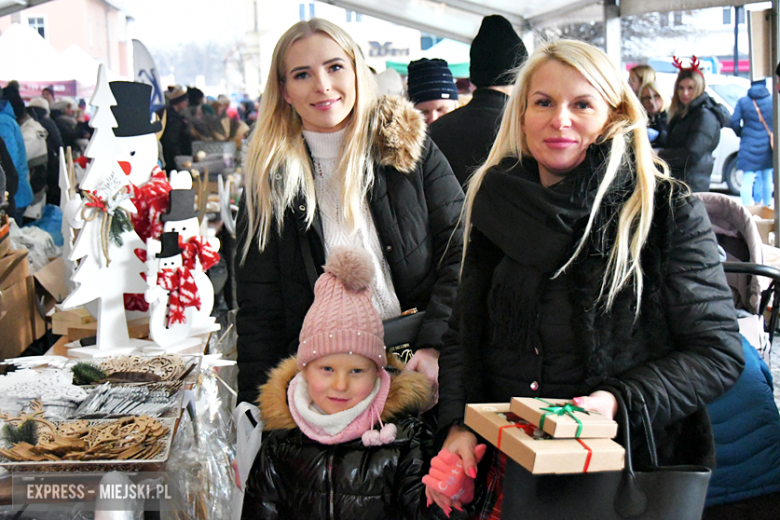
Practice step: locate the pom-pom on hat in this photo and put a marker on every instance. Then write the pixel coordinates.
(495, 51)
(429, 80)
(342, 319)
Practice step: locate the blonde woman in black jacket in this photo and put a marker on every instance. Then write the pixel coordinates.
(586, 268)
(330, 163)
(695, 121)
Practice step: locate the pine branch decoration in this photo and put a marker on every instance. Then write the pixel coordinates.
(25, 432)
(86, 373)
(119, 224)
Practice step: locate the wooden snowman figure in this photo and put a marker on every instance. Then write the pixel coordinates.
(172, 293)
(136, 141)
(199, 253)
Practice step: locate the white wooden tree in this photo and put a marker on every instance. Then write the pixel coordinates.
(108, 266)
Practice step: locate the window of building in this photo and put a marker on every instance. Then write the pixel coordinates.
(728, 18)
(428, 40)
(678, 18)
(353, 16)
(302, 12)
(38, 23)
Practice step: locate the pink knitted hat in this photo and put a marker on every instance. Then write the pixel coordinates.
(342, 319)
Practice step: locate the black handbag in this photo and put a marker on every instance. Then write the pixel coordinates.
(401, 332)
(657, 493)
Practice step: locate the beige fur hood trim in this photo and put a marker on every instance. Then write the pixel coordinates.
(401, 134)
(409, 393)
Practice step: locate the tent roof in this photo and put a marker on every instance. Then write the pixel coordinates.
(11, 6)
(460, 19)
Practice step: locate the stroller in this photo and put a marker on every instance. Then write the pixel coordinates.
(752, 284)
(745, 420)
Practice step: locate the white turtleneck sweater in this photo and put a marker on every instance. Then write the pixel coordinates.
(324, 149)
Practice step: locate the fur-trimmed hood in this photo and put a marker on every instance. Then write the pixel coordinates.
(410, 393)
(400, 134)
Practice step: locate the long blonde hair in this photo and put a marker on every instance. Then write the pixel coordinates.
(626, 127)
(644, 72)
(677, 108)
(277, 165)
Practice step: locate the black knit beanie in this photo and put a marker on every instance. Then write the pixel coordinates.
(496, 49)
(430, 79)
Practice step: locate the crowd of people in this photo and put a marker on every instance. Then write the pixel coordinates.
(686, 129)
(33, 131)
(577, 264)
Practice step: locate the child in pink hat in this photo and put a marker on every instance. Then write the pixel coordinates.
(343, 438)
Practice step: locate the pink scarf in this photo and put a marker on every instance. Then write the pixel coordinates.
(361, 426)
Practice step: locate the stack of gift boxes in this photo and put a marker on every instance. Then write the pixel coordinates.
(549, 435)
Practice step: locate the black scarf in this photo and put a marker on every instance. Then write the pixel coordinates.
(537, 229)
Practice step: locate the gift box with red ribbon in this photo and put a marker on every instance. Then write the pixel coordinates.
(535, 450)
(562, 419)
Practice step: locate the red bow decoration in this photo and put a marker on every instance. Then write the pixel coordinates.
(198, 248)
(151, 201)
(695, 64)
(182, 293)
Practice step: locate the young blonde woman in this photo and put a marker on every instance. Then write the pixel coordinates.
(585, 267)
(695, 121)
(330, 163)
(655, 105)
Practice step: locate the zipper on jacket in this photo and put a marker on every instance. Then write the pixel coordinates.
(331, 497)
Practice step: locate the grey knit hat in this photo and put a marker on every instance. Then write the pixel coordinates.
(430, 79)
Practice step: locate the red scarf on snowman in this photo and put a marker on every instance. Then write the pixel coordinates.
(182, 293)
(198, 248)
(151, 200)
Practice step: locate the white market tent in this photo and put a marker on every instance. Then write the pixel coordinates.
(28, 58)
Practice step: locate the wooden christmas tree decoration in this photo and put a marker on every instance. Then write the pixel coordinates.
(105, 246)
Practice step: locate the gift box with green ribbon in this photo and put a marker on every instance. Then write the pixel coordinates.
(562, 419)
(535, 450)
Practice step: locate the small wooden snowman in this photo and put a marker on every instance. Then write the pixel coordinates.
(199, 253)
(172, 292)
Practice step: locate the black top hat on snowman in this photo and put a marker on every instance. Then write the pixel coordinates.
(170, 245)
(132, 109)
(182, 206)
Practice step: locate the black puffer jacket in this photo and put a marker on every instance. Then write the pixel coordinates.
(415, 202)
(294, 477)
(691, 140)
(682, 352)
(466, 135)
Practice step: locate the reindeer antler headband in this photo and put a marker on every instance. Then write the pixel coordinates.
(695, 64)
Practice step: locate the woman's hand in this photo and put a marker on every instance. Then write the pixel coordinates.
(599, 401)
(463, 443)
(426, 361)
